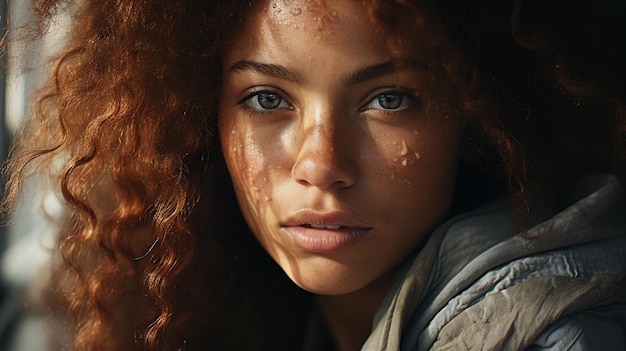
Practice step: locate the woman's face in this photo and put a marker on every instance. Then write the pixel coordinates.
(339, 168)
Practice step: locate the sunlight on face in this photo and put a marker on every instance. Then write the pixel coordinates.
(339, 168)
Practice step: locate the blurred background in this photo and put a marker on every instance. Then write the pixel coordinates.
(26, 324)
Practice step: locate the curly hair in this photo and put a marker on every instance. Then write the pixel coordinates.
(155, 253)
(539, 83)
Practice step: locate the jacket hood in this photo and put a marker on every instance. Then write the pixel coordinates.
(478, 269)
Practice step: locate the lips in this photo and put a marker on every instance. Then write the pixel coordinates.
(321, 226)
(329, 219)
(325, 232)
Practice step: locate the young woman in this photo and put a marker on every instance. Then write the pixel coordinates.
(318, 175)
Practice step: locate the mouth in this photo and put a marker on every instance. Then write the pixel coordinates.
(328, 220)
(322, 226)
(327, 232)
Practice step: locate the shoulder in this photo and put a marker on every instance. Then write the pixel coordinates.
(596, 329)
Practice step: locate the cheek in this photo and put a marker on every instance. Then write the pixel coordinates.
(404, 158)
(420, 160)
(246, 163)
(254, 166)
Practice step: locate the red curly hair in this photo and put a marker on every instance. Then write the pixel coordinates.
(155, 253)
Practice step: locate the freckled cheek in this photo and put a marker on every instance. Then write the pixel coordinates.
(397, 158)
(251, 166)
(413, 159)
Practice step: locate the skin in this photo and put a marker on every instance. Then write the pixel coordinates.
(308, 140)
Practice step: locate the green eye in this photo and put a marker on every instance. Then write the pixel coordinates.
(389, 101)
(266, 100)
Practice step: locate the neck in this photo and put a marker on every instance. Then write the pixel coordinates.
(350, 316)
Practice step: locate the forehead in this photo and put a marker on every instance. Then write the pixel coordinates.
(317, 13)
(282, 23)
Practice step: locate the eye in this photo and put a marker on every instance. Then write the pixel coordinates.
(389, 101)
(265, 100)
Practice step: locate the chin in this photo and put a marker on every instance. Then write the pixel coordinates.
(323, 288)
(333, 279)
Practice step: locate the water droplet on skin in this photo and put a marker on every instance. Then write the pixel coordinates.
(405, 148)
(268, 199)
(416, 132)
(235, 150)
(392, 177)
(418, 156)
(279, 10)
(274, 5)
(232, 131)
(405, 162)
(296, 11)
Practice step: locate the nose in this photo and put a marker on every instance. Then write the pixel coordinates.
(325, 158)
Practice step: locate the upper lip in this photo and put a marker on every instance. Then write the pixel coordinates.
(328, 218)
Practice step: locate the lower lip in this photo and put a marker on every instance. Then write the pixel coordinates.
(325, 240)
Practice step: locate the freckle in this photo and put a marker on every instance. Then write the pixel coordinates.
(296, 11)
(418, 156)
(405, 148)
(405, 162)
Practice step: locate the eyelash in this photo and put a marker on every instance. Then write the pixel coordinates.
(247, 101)
(406, 101)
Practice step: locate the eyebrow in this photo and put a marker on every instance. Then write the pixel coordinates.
(271, 70)
(281, 72)
(370, 72)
